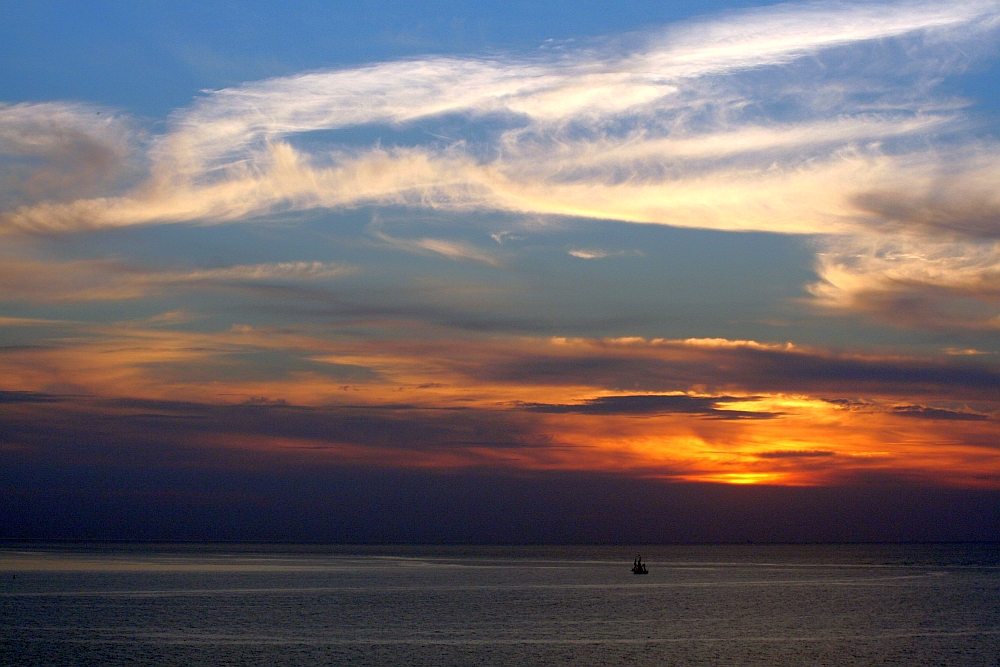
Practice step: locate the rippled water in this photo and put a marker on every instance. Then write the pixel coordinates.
(704, 605)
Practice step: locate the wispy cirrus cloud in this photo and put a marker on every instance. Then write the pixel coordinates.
(251, 272)
(814, 118)
(678, 96)
(916, 281)
(59, 151)
(457, 250)
(110, 279)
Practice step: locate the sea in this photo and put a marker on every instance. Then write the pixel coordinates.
(269, 605)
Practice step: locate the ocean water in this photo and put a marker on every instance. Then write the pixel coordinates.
(699, 605)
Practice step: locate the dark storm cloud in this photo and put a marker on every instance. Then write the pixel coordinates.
(651, 405)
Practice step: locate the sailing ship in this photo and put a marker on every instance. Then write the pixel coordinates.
(638, 567)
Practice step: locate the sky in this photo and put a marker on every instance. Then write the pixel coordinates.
(500, 272)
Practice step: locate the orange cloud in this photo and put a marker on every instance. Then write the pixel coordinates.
(705, 410)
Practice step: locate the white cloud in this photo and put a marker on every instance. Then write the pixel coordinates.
(588, 254)
(685, 152)
(594, 253)
(783, 32)
(457, 250)
(914, 281)
(777, 119)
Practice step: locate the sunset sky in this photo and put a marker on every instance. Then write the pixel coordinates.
(497, 271)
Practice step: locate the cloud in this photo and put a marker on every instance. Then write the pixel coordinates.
(67, 281)
(168, 319)
(954, 211)
(599, 254)
(687, 151)
(793, 454)
(457, 250)
(256, 272)
(588, 254)
(652, 404)
(918, 282)
(781, 33)
(105, 279)
(931, 256)
(31, 322)
(823, 119)
(542, 376)
(27, 397)
(746, 367)
(683, 410)
(921, 412)
(59, 151)
(801, 447)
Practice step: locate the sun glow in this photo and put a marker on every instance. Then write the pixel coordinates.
(458, 403)
(741, 478)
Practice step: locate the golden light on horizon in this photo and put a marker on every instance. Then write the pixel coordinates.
(464, 387)
(740, 478)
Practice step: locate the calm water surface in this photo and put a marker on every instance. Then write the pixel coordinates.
(699, 605)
